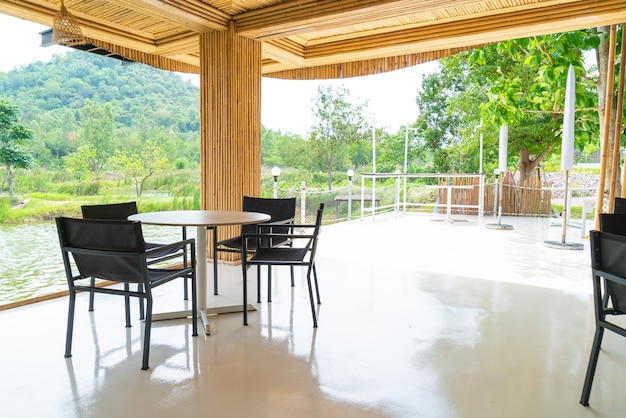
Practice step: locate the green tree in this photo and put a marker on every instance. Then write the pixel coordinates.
(528, 93)
(140, 167)
(81, 161)
(12, 135)
(337, 123)
(519, 83)
(97, 126)
(282, 150)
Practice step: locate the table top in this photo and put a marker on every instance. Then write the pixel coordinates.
(200, 217)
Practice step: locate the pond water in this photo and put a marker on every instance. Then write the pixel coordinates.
(31, 263)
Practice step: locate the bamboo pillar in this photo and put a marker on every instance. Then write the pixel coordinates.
(230, 121)
(604, 144)
(618, 127)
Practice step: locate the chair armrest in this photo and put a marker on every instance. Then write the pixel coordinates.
(288, 221)
(283, 237)
(174, 245)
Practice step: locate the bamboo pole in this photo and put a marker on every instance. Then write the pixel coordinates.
(618, 127)
(604, 145)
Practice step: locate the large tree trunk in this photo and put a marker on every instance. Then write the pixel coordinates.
(528, 163)
(10, 184)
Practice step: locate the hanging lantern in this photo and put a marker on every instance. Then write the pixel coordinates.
(65, 28)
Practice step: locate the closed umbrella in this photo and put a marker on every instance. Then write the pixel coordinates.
(567, 153)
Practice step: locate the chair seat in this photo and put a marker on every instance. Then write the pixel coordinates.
(236, 243)
(282, 255)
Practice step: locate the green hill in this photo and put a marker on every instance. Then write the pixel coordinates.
(57, 98)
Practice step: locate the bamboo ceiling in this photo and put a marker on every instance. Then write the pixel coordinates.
(307, 39)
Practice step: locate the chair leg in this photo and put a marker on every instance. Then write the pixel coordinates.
(258, 284)
(308, 280)
(591, 368)
(127, 305)
(245, 294)
(70, 324)
(142, 313)
(146, 333)
(317, 289)
(214, 260)
(185, 285)
(194, 306)
(92, 283)
(269, 283)
(292, 276)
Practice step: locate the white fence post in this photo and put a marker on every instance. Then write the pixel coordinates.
(303, 202)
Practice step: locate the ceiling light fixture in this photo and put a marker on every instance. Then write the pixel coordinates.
(65, 28)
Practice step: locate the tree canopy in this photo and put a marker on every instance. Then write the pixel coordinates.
(519, 83)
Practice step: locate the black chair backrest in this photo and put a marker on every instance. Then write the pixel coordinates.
(278, 209)
(608, 252)
(613, 223)
(619, 205)
(109, 211)
(106, 249)
(316, 232)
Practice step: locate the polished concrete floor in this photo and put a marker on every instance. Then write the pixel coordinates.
(419, 318)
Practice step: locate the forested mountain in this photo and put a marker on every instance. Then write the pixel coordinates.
(80, 97)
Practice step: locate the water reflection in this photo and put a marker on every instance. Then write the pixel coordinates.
(31, 263)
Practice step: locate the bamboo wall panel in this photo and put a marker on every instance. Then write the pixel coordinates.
(153, 60)
(367, 67)
(230, 96)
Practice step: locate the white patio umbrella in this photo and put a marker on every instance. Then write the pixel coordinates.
(502, 165)
(567, 153)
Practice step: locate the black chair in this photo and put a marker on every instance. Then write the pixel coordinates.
(613, 223)
(282, 213)
(121, 211)
(619, 205)
(270, 255)
(116, 251)
(608, 252)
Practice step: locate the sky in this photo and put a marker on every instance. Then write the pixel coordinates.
(286, 105)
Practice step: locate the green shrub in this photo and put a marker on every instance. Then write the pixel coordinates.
(4, 208)
(78, 188)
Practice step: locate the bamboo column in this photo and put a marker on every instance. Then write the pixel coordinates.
(604, 145)
(618, 127)
(230, 121)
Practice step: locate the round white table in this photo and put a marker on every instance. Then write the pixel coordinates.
(200, 219)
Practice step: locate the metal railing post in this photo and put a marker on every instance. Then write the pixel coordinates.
(303, 202)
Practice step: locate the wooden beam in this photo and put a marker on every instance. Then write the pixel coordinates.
(306, 16)
(469, 32)
(191, 14)
(284, 51)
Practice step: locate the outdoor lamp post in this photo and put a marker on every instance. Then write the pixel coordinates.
(350, 173)
(275, 173)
